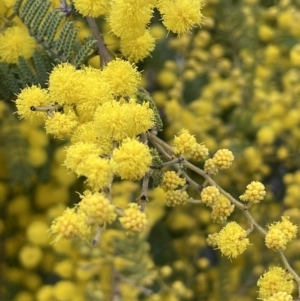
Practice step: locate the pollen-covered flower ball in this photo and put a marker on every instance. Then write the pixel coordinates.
(274, 281)
(132, 160)
(180, 16)
(70, 224)
(232, 240)
(15, 42)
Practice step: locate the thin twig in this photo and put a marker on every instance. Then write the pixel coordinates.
(102, 50)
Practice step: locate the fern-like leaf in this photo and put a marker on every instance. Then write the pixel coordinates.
(17, 6)
(144, 96)
(15, 149)
(43, 66)
(26, 8)
(41, 13)
(32, 12)
(46, 24)
(12, 83)
(68, 45)
(53, 27)
(84, 52)
(65, 32)
(26, 71)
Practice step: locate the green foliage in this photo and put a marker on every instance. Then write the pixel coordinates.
(144, 96)
(15, 149)
(44, 27)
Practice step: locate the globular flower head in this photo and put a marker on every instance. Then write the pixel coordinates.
(275, 239)
(97, 208)
(185, 143)
(223, 158)
(171, 181)
(209, 195)
(32, 96)
(14, 43)
(180, 16)
(132, 159)
(139, 48)
(93, 8)
(121, 77)
(274, 281)
(77, 154)
(116, 121)
(280, 233)
(232, 240)
(255, 193)
(99, 172)
(129, 18)
(176, 197)
(70, 224)
(60, 125)
(65, 84)
(199, 153)
(210, 167)
(86, 132)
(133, 220)
(221, 209)
(281, 296)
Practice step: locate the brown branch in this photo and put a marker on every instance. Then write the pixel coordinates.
(102, 50)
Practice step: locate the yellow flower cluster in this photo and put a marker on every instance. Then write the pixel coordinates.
(93, 8)
(70, 225)
(97, 208)
(280, 234)
(15, 42)
(210, 195)
(176, 197)
(232, 240)
(180, 16)
(281, 296)
(133, 220)
(210, 167)
(221, 209)
(60, 125)
(171, 181)
(131, 160)
(186, 145)
(255, 193)
(223, 158)
(274, 281)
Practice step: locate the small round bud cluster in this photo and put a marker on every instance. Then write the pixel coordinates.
(232, 240)
(281, 296)
(199, 153)
(176, 197)
(280, 234)
(133, 220)
(187, 146)
(185, 143)
(70, 224)
(210, 167)
(209, 195)
(212, 240)
(97, 208)
(255, 193)
(223, 158)
(274, 281)
(171, 181)
(221, 209)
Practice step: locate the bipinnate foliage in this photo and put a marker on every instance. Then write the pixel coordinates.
(57, 37)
